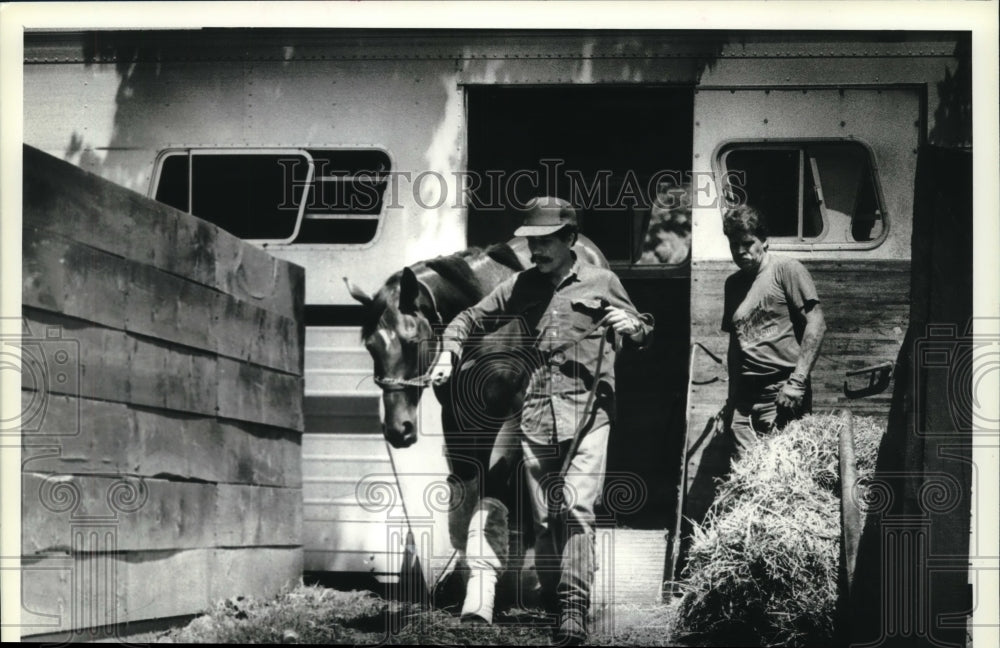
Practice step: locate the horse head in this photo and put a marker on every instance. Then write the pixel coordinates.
(399, 336)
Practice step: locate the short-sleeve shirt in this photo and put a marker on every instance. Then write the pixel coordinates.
(758, 311)
(558, 390)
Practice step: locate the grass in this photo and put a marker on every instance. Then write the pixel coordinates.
(318, 615)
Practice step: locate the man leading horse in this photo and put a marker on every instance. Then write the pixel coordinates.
(401, 328)
(571, 307)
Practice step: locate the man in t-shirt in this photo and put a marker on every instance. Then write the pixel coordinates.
(775, 325)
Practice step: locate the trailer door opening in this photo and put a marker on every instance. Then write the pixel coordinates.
(622, 156)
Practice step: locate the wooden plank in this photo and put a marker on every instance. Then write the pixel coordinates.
(177, 446)
(107, 437)
(252, 334)
(59, 592)
(99, 352)
(252, 275)
(161, 375)
(71, 278)
(79, 435)
(169, 308)
(258, 454)
(62, 276)
(60, 197)
(62, 593)
(188, 447)
(50, 418)
(890, 322)
(251, 393)
(173, 515)
(814, 265)
(257, 515)
(167, 583)
(261, 572)
(63, 198)
(708, 307)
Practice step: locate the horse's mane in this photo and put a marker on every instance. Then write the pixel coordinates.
(455, 269)
(504, 255)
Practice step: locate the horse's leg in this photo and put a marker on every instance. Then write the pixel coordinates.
(488, 537)
(463, 482)
(486, 553)
(504, 482)
(488, 532)
(477, 526)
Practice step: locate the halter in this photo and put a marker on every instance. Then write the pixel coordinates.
(399, 384)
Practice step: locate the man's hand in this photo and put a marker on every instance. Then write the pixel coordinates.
(441, 371)
(792, 394)
(623, 323)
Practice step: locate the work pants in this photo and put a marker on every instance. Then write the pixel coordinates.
(756, 414)
(564, 557)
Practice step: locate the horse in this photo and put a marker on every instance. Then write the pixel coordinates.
(401, 328)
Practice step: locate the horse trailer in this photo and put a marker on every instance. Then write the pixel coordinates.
(354, 153)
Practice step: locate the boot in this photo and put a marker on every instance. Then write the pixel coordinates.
(574, 588)
(486, 553)
(572, 630)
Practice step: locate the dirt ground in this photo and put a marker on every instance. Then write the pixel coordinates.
(322, 615)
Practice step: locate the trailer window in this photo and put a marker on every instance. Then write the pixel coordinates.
(279, 196)
(811, 192)
(662, 233)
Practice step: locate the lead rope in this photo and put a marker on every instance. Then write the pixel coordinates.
(410, 544)
(559, 518)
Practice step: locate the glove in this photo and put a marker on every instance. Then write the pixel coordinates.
(623, 323)
(792, 394)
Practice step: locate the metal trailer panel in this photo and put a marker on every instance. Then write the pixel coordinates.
(885, 120)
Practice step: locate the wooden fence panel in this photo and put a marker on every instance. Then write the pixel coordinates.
(163, 384)
(81, 436)
(251, 393)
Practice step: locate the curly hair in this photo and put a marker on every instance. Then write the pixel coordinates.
(744, 220)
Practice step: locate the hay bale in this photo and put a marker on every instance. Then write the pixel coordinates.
(763, 566)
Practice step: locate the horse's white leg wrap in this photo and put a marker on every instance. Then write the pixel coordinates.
(486, 552)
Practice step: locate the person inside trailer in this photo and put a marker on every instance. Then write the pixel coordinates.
(776, 326)
(565, 419)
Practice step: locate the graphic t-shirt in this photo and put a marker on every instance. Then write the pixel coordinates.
(758, 312)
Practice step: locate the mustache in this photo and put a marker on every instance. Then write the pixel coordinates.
(536, 259)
